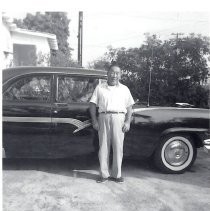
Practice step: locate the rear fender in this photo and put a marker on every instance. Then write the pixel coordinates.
(195, 133)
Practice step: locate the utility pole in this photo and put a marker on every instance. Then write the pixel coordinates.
(150, 78)
(177, 35)
(80, 38)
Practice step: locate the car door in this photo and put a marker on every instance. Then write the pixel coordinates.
(72, 132)
(27, 116)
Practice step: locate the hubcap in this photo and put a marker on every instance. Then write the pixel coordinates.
(176, 153)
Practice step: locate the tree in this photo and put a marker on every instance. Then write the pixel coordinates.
(51, 22)
(100, 64)
(178, 66)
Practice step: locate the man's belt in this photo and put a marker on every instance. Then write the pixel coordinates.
(112, 112)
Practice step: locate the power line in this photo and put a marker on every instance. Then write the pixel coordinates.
(149, 17)
(177, 34)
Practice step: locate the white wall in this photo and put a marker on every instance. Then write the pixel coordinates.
(10, 35)
(6, 38)
(41, 43)
(6, 46)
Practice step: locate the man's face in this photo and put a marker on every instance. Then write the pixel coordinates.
(114, 75)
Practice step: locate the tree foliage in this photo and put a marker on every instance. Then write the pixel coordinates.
(178, 68)
(51, 22)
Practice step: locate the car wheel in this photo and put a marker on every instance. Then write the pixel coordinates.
(175, 154)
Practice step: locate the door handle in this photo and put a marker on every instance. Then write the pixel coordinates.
(61, 104)
(81, 116)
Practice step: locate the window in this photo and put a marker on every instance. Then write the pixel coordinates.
(75, 89)
(33, 88)
(24, 55)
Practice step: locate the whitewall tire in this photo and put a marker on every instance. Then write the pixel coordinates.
(175, 154)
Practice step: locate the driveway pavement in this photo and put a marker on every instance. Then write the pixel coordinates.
(69, 185)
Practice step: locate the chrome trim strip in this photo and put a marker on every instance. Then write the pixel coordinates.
(79, 124)
(159, 108)
(75, 122)
(27, 119)
(56, 94)
(207, 141)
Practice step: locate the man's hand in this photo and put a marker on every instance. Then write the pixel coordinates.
(93, 116)
(95, 125)
(126, 127)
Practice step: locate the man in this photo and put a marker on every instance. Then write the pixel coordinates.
(114, 102)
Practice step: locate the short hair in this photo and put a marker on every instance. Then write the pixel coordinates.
(114, 64)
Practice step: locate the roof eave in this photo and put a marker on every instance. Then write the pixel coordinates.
(51, 38)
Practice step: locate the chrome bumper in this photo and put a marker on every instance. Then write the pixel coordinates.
(206, 146)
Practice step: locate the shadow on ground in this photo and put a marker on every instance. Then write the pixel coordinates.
(87, 167)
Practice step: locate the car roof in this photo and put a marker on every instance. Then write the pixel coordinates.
(10, 73)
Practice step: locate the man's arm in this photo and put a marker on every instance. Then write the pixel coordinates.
(126, 126)
(93, 116)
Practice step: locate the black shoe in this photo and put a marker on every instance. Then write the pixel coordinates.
(102, 180)
(119, 180)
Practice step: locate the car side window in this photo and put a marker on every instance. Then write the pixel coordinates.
(75, 89)
(31, 88)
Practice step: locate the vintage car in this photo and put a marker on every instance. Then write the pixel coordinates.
(46, 115)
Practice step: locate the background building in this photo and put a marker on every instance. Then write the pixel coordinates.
(21, 47)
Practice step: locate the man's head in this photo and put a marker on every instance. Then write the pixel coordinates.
(114, 75)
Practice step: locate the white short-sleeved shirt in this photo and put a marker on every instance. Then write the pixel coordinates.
(112, 98)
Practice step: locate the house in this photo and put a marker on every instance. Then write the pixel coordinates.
(21, 47)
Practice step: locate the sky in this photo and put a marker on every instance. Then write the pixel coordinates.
(127, 29)
(110, 23)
